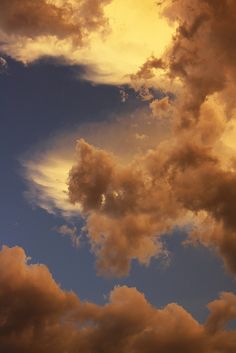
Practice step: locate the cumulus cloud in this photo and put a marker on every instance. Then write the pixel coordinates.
(128, 208)
(201, 57)
(37, 315)
(125, 208)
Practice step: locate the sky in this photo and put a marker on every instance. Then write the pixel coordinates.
(118, 176)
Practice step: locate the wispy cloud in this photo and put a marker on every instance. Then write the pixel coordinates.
(70, 232)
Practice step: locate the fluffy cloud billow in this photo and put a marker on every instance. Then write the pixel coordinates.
(190, 177)
(36, 315)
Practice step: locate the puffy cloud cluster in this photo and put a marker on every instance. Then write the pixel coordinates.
(191, 177)
(202, 58)
(126, 207)
(129, 207)
(36, 315)
(203, 53)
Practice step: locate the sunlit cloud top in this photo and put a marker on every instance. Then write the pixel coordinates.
(133, 30)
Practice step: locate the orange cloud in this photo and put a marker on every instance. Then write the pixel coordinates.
(36, 315)
(129, 207)
(160, 106)
(125, 207)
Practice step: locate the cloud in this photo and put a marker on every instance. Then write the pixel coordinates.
(47, 183)
(160, 106)
(198, 168)
(125, 208)
(202, 37)
(221, 312)
(37, 315)
(201, 57)
(128, 208)
(71, 232)
(3, 65)
(103, 36)
(27, 19)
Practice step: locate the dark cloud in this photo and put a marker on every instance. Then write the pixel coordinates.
(36, 315)
(203, 52)
(124, 206)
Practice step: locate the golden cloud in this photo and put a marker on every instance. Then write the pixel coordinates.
(110, 38)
